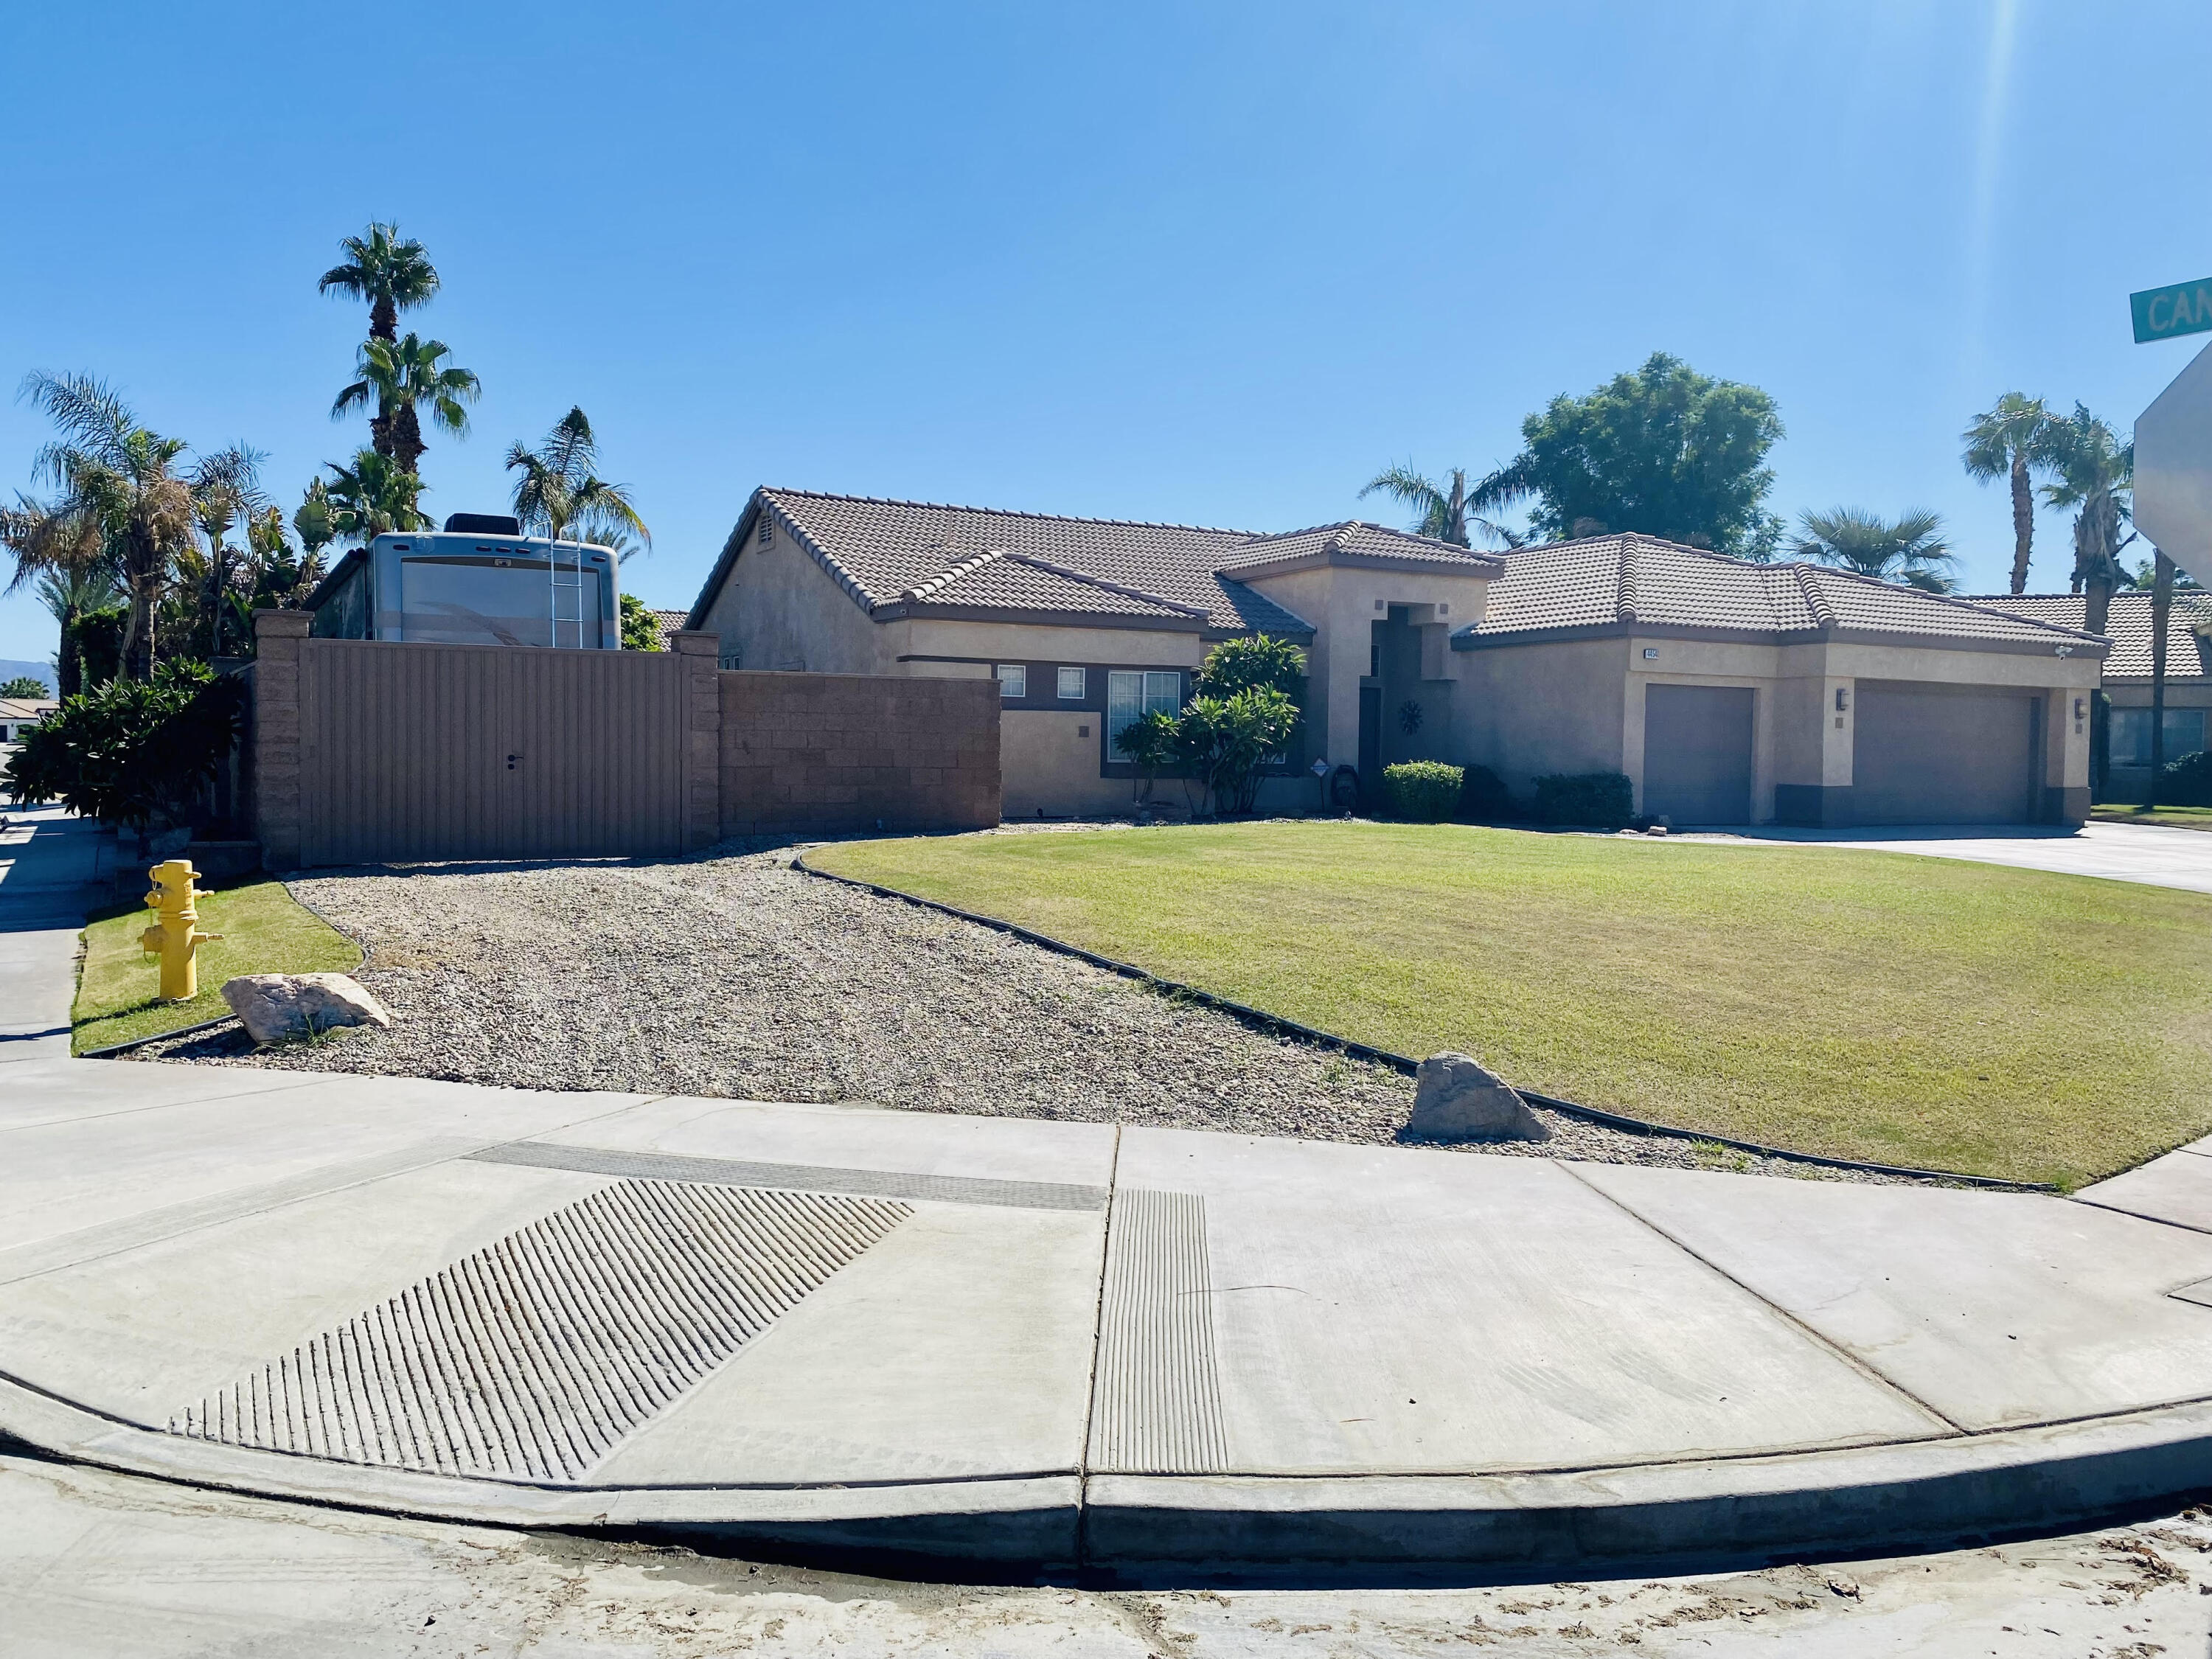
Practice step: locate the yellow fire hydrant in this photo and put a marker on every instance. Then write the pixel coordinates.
(177, 936)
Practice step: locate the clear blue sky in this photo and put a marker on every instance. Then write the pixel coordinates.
(1210, 263)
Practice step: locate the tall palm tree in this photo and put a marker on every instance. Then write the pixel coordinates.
(397, 378)
(111, 468)
(393, 276)
(560, 491)
(2094, 470)
(372, 498)
(1444, 511)
(67, 554)
(2013, 441)
(1909, 549)
(226, 488)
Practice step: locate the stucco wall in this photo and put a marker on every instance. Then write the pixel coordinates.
(780, 611)
(1050, 760)
(1525, 710)
(820, 752)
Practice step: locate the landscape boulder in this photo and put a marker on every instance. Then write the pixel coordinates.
(278, 1007)
(1456, 1097)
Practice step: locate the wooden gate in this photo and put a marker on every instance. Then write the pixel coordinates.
(412, 751)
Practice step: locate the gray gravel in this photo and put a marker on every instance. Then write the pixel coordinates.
(734, 974)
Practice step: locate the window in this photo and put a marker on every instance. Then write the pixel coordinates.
(1071, 684)
(2184, 734)
(1013, 679)
(1130, 696)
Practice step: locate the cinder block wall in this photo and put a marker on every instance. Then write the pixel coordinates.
(842, 752)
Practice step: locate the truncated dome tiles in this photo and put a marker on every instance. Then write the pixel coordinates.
(530, 1360)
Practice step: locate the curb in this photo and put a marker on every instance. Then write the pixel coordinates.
(1278, 1022)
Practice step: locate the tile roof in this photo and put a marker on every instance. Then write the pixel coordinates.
(2128, 624)
(1612, 580)
(671, 623)
(922, 555)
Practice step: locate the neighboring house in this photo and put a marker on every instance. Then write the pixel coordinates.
(1784, 691)
(671, 624)
(2127, 675)
(19, 715)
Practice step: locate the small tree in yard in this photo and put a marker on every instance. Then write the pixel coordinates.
(1245, 712)
(1150, 743)
(132, 751)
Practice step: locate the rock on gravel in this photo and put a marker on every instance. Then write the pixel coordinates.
(737, 975)
(278, 1007)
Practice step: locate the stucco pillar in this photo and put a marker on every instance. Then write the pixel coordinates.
(280, 640)
(698, 659)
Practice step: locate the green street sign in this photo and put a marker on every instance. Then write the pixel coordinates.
(2163, 313)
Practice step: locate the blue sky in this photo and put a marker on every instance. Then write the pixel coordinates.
(1209, 263)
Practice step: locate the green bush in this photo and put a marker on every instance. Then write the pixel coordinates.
(1601, 800)
(1426, 792)
(132, 751)
(2188, 780)
(641, 628)
(1483, 797)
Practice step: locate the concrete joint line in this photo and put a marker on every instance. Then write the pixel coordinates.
(1098, 1325)
(1841, 1352)
(2138, 1215)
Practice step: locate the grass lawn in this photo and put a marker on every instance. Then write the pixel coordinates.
(265, 931)
(2174, 818)
(1907, 1010)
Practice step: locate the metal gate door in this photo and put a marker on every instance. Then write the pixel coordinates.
(411, 751)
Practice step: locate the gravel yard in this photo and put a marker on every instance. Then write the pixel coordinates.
(736, 975)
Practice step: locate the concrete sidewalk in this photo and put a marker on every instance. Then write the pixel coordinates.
(2154, 854)
(1148, 1354)
(53, 868)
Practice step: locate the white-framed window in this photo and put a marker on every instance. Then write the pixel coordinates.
(2184, 734)
(1013, 679)
(1130, 696)
(1071, 684)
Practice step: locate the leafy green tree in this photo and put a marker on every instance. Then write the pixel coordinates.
(226, 487)
(392, 273)
(2012, 441)
(397, 380)
(114, 470)
(2094, 470)
(1241, 664)
(1441, 510)
(1909, 549)
(1228, 740)
(23, 686)
(372, 497)
(1148, 743)
(560, 493)
(1664, 451)
(132, 751)
(641, 628)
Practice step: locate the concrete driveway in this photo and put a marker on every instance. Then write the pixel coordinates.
(2149, 853)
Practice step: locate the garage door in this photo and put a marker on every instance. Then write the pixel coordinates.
(1941, 754)
(1697, 753)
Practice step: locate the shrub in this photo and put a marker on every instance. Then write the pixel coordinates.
(1603, 800)
(2188, 780)
(1483, 797)
(1424, 791)
(132, 751)
(641, 628)
(1247, 665)
(1226, 740)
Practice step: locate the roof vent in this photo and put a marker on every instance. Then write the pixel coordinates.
(483, 523)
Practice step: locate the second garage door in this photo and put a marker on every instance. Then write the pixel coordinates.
(1942, 754)
(1697, 753)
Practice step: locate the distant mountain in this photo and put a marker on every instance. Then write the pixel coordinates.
(38, 670)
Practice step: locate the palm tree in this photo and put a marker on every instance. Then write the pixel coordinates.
(226, 487)
(2094, 470)
(1909, 549)
(113, 469)
(312, 521)
(372, 498)
(391, 275)
(397, 377)
(70, 594)
(2013, 441)
(1444, 512)
(560, 490)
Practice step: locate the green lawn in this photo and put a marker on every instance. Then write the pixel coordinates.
(1907, 1010)
(265, 931)
(2174, 818)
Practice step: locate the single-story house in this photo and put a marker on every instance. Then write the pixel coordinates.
(1727, 692)
(2127, 675)
(19, 715)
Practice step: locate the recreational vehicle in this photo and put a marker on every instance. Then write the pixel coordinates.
(478, 581)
